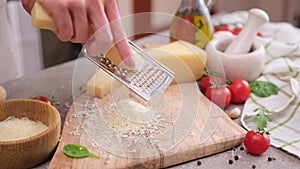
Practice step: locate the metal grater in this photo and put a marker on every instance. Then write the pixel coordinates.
(147, 79)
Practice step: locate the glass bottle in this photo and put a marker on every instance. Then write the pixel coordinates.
(192, 23)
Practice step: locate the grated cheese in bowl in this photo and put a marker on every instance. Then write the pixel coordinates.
(12, 128)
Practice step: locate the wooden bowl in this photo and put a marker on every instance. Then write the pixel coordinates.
(29, 152)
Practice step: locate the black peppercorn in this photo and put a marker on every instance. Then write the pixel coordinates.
(253, 166)
(236, 157)
(242, 148)
(269, 158)
(198, 162)
(230, 162)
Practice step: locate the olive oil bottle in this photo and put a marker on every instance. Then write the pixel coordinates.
(192, 23)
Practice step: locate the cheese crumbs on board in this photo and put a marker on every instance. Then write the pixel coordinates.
(12, 128)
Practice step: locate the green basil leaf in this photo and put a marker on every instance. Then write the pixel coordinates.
(263, 89)
(77, 151)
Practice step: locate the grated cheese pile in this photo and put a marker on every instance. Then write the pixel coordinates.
(137, 132)
(12, 128)
(136, 112)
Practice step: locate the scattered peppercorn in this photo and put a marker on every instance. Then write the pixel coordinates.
(253, 166)
(242, 148)
(230, 161)
(236, 157)
(199, 163)
(269, 158)
(273, 158)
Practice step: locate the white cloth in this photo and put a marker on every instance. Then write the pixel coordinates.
(282, 67)
(8, 63)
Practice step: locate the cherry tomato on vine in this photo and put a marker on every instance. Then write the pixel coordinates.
(240, 91)
(221, 96)
(47, 99)
(205, 83)
(210, 81)
(44, 99)
(256, 143)
(225, 28)
(236, 31)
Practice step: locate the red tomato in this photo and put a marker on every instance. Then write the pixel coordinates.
(240, 91)
(256, 143)
(44, 99)
(221, 96)
(225, 28)
(259, 34)
(236, 31)
(205, 83)
(210, 81)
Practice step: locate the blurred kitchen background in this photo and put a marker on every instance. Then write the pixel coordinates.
(39, 49)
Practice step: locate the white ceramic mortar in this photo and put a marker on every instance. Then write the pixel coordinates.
(247, 66)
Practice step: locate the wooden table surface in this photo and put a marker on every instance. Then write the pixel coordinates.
(58, 80)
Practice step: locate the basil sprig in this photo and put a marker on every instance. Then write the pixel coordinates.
(263, 89)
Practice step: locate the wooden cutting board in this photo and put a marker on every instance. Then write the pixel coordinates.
(193, 128)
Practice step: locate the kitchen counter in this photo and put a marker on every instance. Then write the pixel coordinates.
(57, 80)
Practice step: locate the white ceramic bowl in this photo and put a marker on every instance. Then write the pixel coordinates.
(247, 66)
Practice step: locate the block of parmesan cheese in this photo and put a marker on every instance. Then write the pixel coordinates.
(101, 84)
(186, 60)
(40, 18)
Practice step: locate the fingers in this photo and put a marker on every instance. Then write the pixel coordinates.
(59, 11)
(125, 52)
(80, 22)
(102, 38)
(118, 31)
(100, 42)
(28, 4)
(74, 18)
(96, 14)
(70, 17)
(65, 29)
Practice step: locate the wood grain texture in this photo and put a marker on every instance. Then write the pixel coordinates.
(29, 152)
(210, 131)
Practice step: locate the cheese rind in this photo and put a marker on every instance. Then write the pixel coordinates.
(186, 60)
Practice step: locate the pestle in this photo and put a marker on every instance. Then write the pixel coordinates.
(243, 42)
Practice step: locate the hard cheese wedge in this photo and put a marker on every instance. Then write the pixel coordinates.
(40, 19)
(101, 84)
(186, 60)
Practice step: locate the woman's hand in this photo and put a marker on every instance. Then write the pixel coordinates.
(75, 19)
